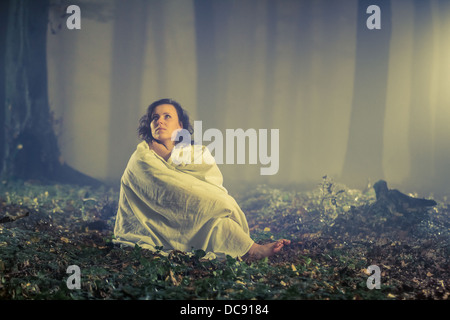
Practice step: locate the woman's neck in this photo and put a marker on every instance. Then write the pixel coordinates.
(162, 149)
(169, 145)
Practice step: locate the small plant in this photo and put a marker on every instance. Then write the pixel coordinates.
(329, 192)
(328, 202)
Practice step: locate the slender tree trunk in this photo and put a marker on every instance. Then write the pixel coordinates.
(420, 129)
(29, 145)
(130, 33)
(206, 21)
(365, 144)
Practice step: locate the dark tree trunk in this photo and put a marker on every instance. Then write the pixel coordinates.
(4, 6)
(29, 144)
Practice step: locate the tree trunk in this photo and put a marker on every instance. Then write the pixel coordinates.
(4, 5)
(128, 48)
(29, 144)
(442, 116)
(208, 67)
(365, 143)
(420, 120)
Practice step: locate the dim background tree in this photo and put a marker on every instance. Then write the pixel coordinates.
(365, 142)
(420, 123)
(28, 144)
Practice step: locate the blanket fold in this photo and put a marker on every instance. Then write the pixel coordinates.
(179, 205)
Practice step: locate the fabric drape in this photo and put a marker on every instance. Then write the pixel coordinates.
(179, 205)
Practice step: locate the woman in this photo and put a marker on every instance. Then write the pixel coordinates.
(180, 205)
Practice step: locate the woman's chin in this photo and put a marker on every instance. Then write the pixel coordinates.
(161, 137)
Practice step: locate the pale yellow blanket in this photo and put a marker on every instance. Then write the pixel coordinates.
(179, 206)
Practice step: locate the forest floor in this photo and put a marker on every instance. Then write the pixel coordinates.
(335, 237)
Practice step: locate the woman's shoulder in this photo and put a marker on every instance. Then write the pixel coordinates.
(144, 152)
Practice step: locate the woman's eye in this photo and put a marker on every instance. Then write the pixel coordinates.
(168, 116)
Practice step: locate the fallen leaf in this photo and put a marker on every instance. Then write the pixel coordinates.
(64, 239)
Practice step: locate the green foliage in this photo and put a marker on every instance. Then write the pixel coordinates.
(334, 235)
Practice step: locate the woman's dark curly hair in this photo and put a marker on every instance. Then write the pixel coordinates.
(144, 130)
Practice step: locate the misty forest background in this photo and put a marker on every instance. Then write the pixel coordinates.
(353, 105)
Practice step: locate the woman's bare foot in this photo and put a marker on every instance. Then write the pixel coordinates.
(258, 251)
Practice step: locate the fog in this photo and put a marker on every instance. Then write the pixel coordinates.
(353, 103)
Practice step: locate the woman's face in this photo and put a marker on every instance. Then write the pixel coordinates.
(164, 121)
